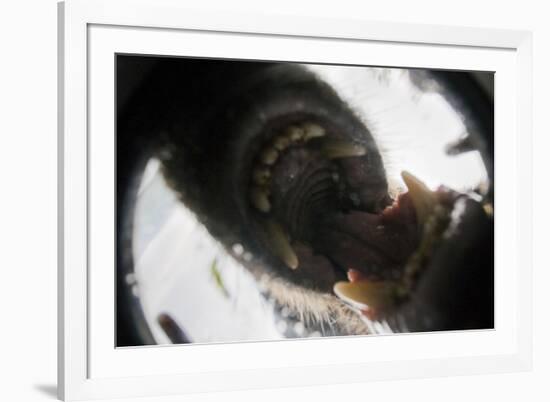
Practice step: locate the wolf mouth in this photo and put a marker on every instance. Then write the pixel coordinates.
(309, 198)
(275, 162)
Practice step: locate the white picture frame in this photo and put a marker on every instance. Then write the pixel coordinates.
(91, 32)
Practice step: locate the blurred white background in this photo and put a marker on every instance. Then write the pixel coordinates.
(28, 207)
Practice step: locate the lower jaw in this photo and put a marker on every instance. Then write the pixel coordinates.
(448, 281)
(435, 280)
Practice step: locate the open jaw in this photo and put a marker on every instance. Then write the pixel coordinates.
(279, 165)
(321, 205)
(282, 172)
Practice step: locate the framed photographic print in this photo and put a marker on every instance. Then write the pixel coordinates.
(246, 196)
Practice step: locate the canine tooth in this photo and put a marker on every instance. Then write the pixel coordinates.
(295, 133)
(261, 175)
(259, 199)
(280, 245)
(269, 156)
(423, 198)
(312, 130)
(342, 149)
(281, 143)
(366, 293)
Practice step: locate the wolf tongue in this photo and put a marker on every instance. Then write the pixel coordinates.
(370, 243)
(374, 244)
(352, 240)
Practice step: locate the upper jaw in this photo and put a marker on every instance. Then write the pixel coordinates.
(300, 174)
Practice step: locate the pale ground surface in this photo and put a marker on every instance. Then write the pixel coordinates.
(175, 258)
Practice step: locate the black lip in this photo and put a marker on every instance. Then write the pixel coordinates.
(456, 287)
